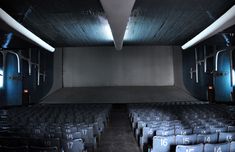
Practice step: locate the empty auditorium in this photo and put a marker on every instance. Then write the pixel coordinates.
(117, 76)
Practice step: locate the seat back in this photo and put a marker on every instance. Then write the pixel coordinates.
(77, 135)
(183, 131)
(189, 148)
(14, 149)
(75, 145)
(165, 132)
(232, 146)
(231, 128)
(37, 132)
(163, 143)
(226, 136)
(69, 130)
(218, 129)
(221, 147)
(13, 141)
(43, 149)
(55, 135)
(200, 130)
(207, 138)
(186, 139)
(147, 136)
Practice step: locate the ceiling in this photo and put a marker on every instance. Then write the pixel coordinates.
(84, 23)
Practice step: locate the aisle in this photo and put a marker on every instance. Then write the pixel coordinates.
(118, 137)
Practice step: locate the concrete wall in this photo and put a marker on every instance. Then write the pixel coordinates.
(178, 70)
(57, 70)
(104, 66)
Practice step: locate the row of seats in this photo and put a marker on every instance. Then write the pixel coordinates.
(20, 144)
(222, 147)
(161, 127)
(68, 127)
(184, 143)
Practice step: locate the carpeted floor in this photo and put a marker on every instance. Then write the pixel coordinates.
(118, 137)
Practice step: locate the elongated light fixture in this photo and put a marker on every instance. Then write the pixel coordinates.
(225, 21)
(22, 30)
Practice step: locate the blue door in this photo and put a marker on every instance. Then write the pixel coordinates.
(12, 81)
(222, 80)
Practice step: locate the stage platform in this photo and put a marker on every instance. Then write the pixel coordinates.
(118, 95)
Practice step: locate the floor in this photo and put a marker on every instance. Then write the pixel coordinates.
(118, 137)
(133, 94)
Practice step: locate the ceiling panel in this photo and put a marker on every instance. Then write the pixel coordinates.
(83, 22)
(171, 22)
(63, 22)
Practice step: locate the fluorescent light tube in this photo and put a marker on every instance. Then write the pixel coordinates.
(22, 30)
(225, 21)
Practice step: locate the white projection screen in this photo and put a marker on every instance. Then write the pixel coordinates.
(105, 66)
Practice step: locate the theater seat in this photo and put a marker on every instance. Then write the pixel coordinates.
(54, 135)
(75, 145)
(71, 136)
(218, 129)
(191, 124)
(220, 147)
(42, 149)
(232, 146)
(186, 139)
(147, 136)
(52, 142)
(189, 148)
(163, 143)
(183, 131)
(165, 132)
(14, 149)
(13, 141)
(226, 136)
(140, 125)
(201, 130)
(69, 130)
(207, 138)
(231, 128)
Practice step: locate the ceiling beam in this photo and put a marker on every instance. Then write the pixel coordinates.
(118, 13)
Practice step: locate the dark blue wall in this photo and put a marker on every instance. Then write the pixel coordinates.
(37, 92)
(198, 90)
(221, 83)
(15, 83)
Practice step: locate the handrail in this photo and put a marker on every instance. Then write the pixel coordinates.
(217, 56)
(216, 59)
(17, 57)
